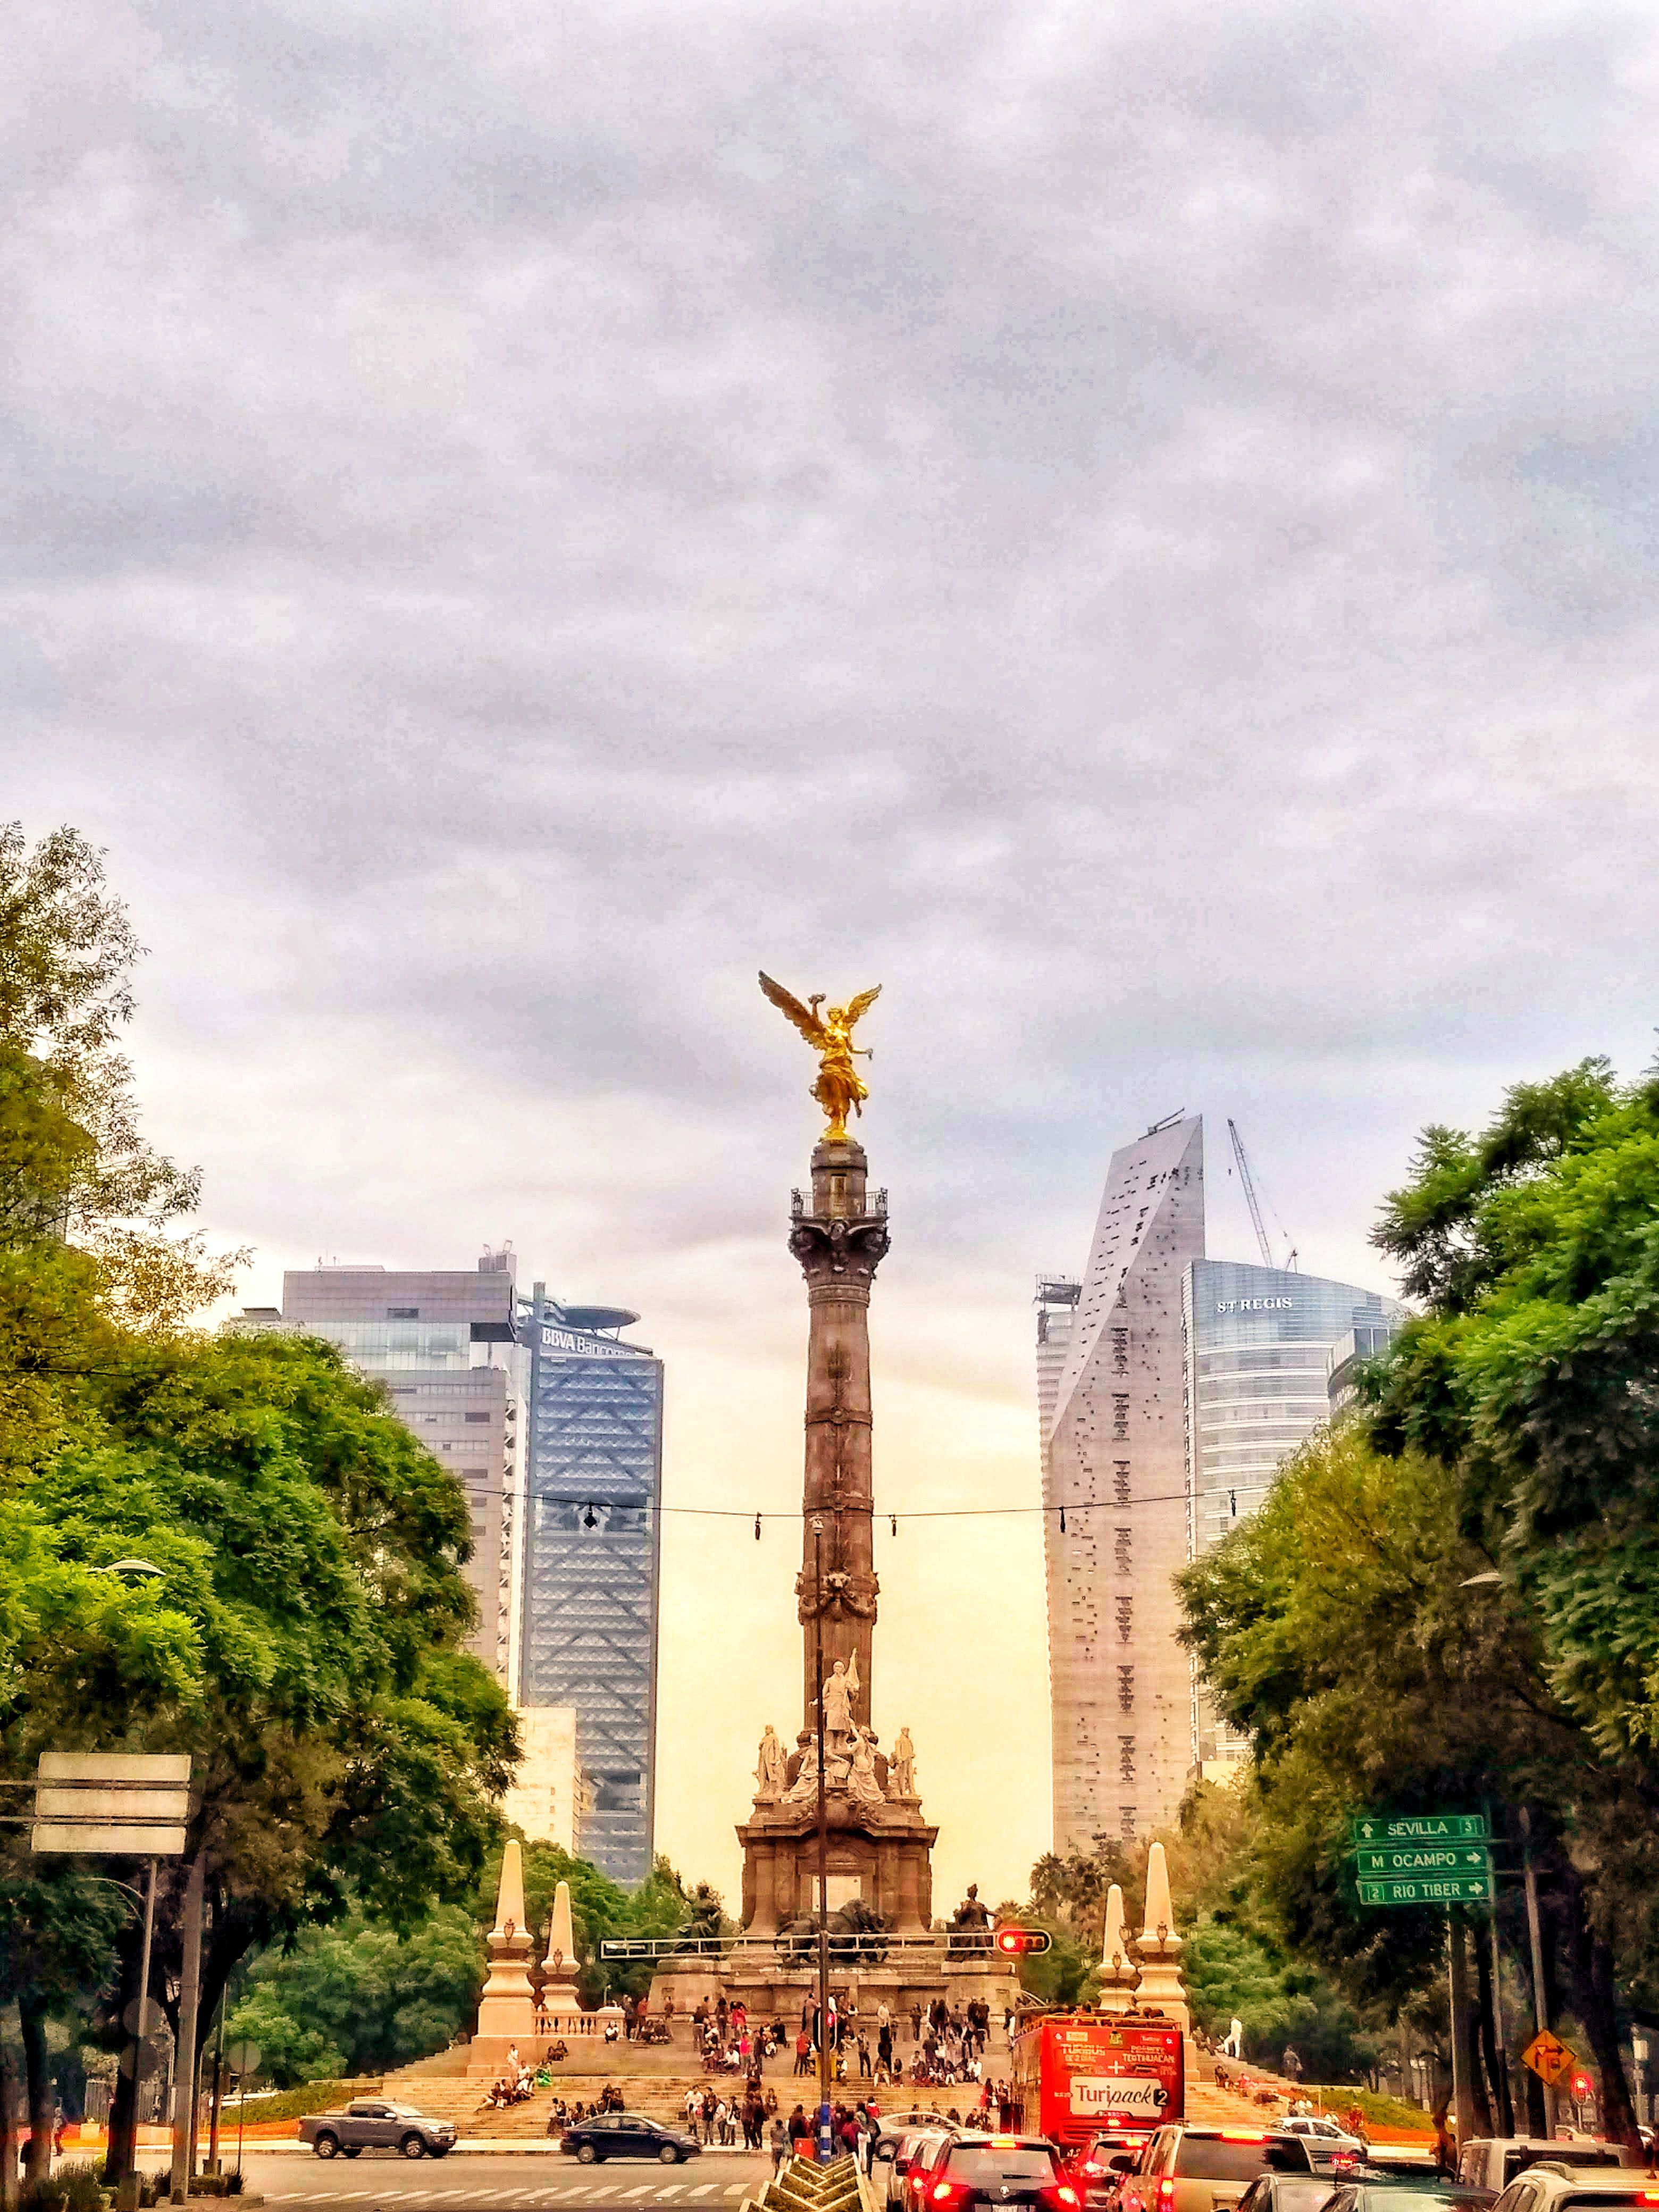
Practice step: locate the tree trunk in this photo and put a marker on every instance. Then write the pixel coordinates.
(8, 2129)
(123, 2111)
(37, 2081)
(1498, 2085)
(1591, 1964)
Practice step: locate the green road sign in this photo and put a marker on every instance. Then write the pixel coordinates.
(1430, 1889)
(1406, 1862)
(1418, 1828)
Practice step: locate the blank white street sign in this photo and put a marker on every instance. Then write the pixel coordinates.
(132, 1804)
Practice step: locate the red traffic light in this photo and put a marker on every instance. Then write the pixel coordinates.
(1016, 1942)
(1582, 2086)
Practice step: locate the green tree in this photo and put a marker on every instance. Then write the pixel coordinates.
(1534, 1372)
(359, 1997)
(300, 1640)
(1337, 1627)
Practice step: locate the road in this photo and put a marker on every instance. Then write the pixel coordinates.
(480, 2181)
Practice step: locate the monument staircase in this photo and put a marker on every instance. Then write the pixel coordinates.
(453, 2097)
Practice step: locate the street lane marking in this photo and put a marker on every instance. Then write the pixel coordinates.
(738, 2189)
(667, 2196)
(644, 2190)
(708, 2190)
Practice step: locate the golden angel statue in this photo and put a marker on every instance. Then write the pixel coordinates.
(840, 1089)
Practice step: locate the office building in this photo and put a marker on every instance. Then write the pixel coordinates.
(546, 1799)
(1114, 1460)
(1348, 1355)
(588, 1638)
(1258, 1346)
(1170, 1387)
(443, 1342)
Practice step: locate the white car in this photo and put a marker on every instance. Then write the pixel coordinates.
(1493, 2161)
(1332, 2149)
(1554, 2185)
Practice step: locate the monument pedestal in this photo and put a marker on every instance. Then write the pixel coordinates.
(881, 1854)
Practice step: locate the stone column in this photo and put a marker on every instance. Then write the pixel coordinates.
(1118, 1973)
(839, 1243)
(561, 1966)
(1159, 1947)
(506, 2010)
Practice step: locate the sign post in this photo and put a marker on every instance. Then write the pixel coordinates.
(131, 1805)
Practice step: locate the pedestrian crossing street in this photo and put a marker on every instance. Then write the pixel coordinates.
(539, 2193)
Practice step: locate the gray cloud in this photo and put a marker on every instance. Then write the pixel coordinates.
(1134, 528)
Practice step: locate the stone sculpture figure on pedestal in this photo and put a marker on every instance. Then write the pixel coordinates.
(770, 1769)
(862, 1785)
(901, 1766)
(805, 1787)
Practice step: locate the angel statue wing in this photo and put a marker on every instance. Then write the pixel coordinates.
(803, 1018)
(859, 1007)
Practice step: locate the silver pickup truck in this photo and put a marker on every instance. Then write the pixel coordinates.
(376, 2124)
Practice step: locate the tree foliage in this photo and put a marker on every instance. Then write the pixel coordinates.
(360, 1998)
(1534, 1373)
(301, 1639)
(1337, 1627)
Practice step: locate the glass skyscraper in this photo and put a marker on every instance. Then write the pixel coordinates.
(591, 1563)
(1258, 1344)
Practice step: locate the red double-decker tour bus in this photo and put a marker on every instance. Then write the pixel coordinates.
(1081, 2073)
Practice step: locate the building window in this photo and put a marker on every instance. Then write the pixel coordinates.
(477, 1417)
(403, 1313)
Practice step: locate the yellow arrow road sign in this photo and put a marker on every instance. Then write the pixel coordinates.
(1549, 2058)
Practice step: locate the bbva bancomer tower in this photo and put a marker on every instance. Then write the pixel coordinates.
(1169, 1388)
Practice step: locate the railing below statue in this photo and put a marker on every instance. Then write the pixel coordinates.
(873, 1208)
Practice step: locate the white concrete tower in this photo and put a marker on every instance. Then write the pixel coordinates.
(1114, 1457)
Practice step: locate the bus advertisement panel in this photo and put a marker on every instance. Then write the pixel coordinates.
(1080, 2073)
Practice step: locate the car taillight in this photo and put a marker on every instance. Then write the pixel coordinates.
(1166, 2190)
(1067, 2196)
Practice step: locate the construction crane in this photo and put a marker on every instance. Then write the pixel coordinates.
(1251, 1202)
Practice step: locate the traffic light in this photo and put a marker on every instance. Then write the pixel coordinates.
(1023, 1941)
(1582, 2087)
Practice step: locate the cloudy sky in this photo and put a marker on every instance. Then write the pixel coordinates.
(1132, 527)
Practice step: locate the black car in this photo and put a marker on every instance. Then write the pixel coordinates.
(998, 2171)
(627, 2135)
(1287, 2192)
